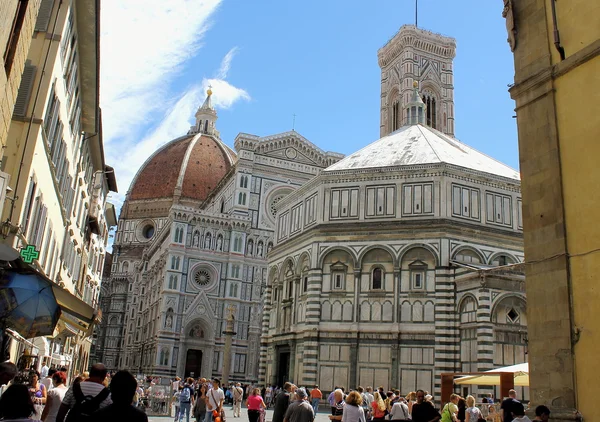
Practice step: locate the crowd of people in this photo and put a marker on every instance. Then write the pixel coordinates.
(92, 397)
(99, 397)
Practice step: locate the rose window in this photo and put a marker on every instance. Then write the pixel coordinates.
(202, 277)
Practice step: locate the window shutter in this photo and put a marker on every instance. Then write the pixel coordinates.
(43, 19)
(24, 90)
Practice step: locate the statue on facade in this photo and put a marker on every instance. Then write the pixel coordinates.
(196, 240)
(220, 243)
(197, 332)
(259, 249)
(169, 321)
(207, 241)
(507, 13)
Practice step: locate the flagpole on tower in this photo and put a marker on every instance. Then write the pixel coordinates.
(416, 13)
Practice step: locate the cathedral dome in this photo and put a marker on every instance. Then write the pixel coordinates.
(188, 167)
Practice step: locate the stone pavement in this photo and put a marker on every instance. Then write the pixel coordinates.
(322, 416)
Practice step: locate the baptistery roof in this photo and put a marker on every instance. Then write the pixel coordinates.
(188, 167)
(418, 144)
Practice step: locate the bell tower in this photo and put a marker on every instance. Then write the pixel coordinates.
(416, 55)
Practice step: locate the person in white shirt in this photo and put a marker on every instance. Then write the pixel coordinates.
(215, 396)
(55, 396)
(44, 371)
(47, 381)
(400, 411)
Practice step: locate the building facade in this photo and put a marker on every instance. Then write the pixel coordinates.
(191, 244)
(403, 260)
(556, 48)
(59, 180)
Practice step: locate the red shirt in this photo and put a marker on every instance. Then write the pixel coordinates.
(254, 402)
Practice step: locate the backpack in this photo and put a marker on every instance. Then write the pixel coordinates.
(185, 395)
(85, 405)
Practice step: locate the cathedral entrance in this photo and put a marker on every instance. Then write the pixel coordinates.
(283, 366)
(193, 363)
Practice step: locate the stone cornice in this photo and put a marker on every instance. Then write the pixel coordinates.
(409, 35)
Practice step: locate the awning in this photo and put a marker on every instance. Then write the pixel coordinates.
(520, 371)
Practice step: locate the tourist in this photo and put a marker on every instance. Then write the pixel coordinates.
(214, 403)
(93, 386)
(282, 402)
(175, 401)
(519, 413)
(400, 410)
(47, 381)
(199, 410)
(450, 409)
(38, 392)
(268, 395)
(315, 397)
(238, 396)
(542, 414)
(462, 409)
(422, 410)
(8, 371)
(55, 396)
(507, 406)
(330, 398)
(44, 372)
(186, 400)
(354, 411)
(378, 407)
(300, 410)
(473, 414)
(254, 403)
(122, 388)
(16, 404)
(411, 398)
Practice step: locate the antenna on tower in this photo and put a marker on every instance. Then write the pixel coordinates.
(416, 13)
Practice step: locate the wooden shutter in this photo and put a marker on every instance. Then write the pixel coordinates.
(43, 19)
(25, 89)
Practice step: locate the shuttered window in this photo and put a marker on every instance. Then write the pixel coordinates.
(22, 101)
(44, 13)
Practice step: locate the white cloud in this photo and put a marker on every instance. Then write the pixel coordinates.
(145, 45)
(224, 94)
(226, 63)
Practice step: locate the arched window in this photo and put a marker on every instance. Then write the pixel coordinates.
(377, 279)
(431, 104)
(222, 205)
(242, 181)
(246, 181)
(178, 235)
(173, 282)
(396, 116)
(125, 266)
(240, 198)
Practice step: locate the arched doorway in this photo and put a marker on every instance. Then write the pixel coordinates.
(198, 349)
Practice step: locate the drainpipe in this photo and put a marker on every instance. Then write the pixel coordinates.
(559, 48)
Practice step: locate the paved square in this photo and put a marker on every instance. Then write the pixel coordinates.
(322, 416)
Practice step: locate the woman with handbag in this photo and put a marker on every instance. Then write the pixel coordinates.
(450, 410)
(37, 390)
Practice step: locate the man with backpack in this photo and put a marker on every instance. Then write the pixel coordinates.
(186, 400)
(86, 397)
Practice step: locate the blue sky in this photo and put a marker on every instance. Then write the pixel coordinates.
(269, 60)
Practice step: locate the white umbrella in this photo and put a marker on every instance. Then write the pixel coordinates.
(520, 371)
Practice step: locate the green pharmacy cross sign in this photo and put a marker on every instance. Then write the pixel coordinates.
(29, 254)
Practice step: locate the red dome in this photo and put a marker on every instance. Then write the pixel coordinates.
(202, 160)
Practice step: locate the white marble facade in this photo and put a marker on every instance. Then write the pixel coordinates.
(403, 260)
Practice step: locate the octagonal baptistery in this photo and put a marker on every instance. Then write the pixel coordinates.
(397, 263)
(186, 170)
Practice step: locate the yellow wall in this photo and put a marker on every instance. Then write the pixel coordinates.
(10, 86)
(577, 105)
